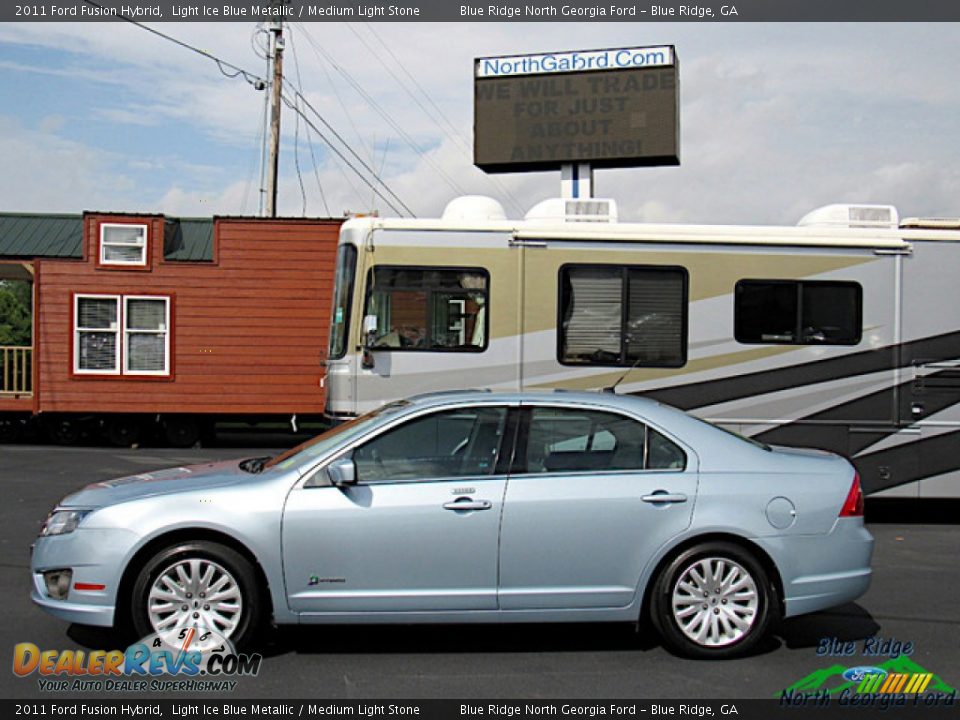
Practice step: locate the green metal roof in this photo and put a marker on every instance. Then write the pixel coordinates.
(189, 239)
(30, 235)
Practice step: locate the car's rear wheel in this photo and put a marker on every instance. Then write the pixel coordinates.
(713, 600)
(202, 585)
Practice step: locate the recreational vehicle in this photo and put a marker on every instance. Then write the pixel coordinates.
(841, 333)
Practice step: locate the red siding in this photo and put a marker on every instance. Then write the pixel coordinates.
(249, 331)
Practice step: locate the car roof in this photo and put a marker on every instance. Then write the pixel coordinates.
(610, 400)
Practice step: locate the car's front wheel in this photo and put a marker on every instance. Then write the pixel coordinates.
(713, 600)
(198, 584)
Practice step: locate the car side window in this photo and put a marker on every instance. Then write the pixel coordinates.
(450, 444)
(575, 440)
(578, 440)
(663, 453)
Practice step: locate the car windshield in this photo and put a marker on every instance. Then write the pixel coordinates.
(315, 447)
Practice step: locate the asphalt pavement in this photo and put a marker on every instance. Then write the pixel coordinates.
(913, 599)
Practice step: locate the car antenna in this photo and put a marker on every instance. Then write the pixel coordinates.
(613, 388)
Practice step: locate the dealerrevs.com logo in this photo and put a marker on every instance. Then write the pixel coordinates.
(200, 661)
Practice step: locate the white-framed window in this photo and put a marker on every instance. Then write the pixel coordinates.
(96, 334)
(123, 244)
(121, 335)
(146, 336)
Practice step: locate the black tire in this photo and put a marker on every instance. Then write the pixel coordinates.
(64, 430)
(236, 565)
(10, 430)
(724, 639)
(181, 431)
(122, 430)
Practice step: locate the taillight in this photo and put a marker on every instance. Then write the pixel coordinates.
(853, 505)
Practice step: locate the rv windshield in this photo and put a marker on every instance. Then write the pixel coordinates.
(342, 300)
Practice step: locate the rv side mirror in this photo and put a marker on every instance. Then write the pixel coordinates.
(342, 472)
(369, 330)
(366, 361)
(369, 338)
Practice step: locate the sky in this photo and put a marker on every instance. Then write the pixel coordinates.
(775, 119)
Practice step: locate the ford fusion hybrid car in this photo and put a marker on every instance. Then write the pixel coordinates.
(468, 507)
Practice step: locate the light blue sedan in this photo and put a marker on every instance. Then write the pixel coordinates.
(472, 507)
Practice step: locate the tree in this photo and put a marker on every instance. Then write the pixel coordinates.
(16, 323)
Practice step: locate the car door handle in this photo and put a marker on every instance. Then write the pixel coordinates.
(467, 504)
(661, 496)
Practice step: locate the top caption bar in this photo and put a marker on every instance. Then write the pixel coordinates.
(465, 10)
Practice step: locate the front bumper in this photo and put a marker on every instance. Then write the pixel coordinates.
(84, 613)
(96, 557)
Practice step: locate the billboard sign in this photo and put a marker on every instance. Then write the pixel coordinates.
(611, 108)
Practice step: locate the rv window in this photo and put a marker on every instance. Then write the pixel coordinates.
(790, 312)
(428, 309)
(633, 316)
(342, 300)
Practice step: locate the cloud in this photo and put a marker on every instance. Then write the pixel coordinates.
(143, 115)
(52, 123)
(775, 119)
(57, 175)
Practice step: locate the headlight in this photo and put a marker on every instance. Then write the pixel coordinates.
(61, 522)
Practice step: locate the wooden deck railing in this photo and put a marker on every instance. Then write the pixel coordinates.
(16, 370)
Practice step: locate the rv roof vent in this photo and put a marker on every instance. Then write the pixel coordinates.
(591, 210)
(939, 223)
(474, 207)
(852, 216)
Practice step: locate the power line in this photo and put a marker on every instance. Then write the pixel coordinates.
(296, 145)
(316, 173)
(301, 98)
(265, 119)
(353, 152)
(293, 106)
(296, 165)
(323, 65)
(256, 81)
(386, 116)
(347, 113)
(258, 50)
(253, 165)
(457, 135)
(259, 83)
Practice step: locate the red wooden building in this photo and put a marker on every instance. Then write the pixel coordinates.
(144, 319)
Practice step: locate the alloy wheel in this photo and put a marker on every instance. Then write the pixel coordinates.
(715, 601)
(195, 592)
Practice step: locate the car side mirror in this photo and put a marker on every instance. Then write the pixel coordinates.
(342, 472)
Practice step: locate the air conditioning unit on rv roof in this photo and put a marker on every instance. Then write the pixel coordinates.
(852, 216)
(573, 210)
(474, 207)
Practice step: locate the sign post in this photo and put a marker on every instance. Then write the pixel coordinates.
(576, 181)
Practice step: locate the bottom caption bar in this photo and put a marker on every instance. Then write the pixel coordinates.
(454, 709)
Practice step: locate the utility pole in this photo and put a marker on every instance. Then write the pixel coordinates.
(276, 87)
